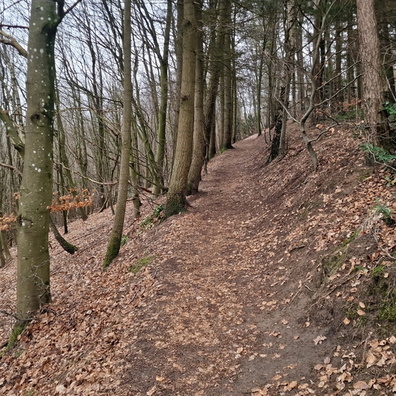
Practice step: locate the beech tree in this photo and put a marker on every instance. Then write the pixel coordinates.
(226, 99)
(176, 198)
(198, 154)
(163, 102)
(33, 272)
(214, 67)
(114, 243)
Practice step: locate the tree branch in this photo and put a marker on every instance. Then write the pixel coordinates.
(14, 168)
(9, 40)
(3, 25)
(110, 183)
(12, 132)
(61, 11)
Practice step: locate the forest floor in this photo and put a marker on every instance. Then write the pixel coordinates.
(276, 281)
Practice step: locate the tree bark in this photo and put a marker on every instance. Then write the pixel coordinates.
(373, 80)
(2, 255)
(198, 154)
(114, 243)
(33, 272)
(278, 144)
(226, 78)
(214, 71)
(176, 197)
(3, 240)
(161, 130)
(66, 246)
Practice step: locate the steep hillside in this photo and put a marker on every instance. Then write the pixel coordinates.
(277, 281)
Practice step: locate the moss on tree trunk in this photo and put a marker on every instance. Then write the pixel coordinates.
(175, 204)
(113, 249)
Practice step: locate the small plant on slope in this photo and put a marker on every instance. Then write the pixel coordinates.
(386, 214)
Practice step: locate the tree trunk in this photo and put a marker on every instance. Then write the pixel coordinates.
(213, 70)
(2, 255)
(3, 240)
(114, 243)
(176, 198)
(272, 103)
(300, 69)
(33, 272)
(160, 153)
(373, 80)
(389, 60)
(350, 60)
(66, 246)
(278, 144)
(64, 165)
(226, 88)
(337, 101)
(318, 44)
(198, 154)
(260, 73)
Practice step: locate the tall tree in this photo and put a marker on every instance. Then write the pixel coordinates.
(373, 80)
(176, 197)
(33, 273)
(278, 144)
(226, 107)
(198, 154)
(114, 243)
(161, 130)
(214, 66)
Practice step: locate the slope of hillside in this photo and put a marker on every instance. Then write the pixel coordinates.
(277, 281)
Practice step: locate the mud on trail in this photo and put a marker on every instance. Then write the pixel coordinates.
(234, 296)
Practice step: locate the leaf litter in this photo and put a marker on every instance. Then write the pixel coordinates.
(259, 289)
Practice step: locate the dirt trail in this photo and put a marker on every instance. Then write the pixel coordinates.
(231, 297)
(228, 320)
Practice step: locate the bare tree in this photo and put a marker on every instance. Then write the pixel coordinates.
(198, 154)
(114, 243)
(33, 275)
(176, 198)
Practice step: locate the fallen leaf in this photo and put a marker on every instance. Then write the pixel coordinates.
(361, 385)
(60, 389)
(319, 339)
(370, 359)
(292, 385)
(152, 391)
